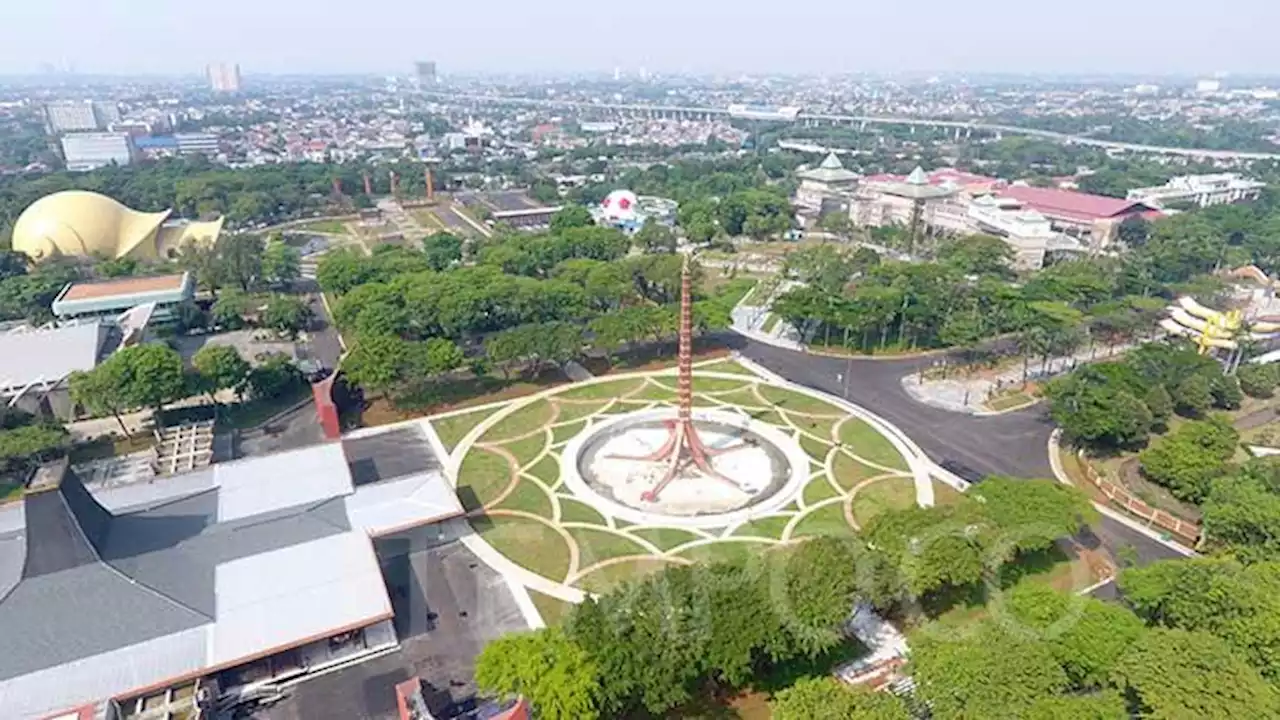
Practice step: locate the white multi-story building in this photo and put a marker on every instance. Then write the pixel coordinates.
(88, 151)
(71, 116)
(829, 181)
(1201, 190)
(197, 144)
(224, 77)
(1027, 232)
(106, 113)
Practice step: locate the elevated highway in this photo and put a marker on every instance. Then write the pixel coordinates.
(966, 126)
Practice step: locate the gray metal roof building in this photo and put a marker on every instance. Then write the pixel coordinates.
(43, 357)
(111, 594)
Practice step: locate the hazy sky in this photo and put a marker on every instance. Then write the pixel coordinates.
(278, 36)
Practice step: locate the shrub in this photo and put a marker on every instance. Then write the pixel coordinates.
(1258, 381)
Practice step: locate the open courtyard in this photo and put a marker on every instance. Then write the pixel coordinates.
(517, 468)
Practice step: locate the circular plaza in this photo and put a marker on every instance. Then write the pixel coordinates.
(560, 486)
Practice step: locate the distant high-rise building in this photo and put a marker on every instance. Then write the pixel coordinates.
(1208, 86)
(88, 151)
(425, 72)
(224, 77)
(71, 116)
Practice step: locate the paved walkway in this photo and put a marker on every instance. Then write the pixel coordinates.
(959, 393)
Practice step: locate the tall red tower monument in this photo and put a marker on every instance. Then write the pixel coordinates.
(683, 446)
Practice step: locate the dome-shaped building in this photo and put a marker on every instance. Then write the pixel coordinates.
(620, 206)
(78, 223)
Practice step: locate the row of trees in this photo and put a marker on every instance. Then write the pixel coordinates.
(517, 302)
(153, 375)
(1112, 406)
(195, 187)
(1048, 655)
(654, 643)
(26, 441)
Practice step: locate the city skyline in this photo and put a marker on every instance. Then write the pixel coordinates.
(286, 37)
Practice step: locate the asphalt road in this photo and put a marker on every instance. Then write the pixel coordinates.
(1014, 444)
(324, 345)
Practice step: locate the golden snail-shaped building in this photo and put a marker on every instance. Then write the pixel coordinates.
(77, 223)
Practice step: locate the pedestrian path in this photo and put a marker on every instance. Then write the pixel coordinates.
(969, 393)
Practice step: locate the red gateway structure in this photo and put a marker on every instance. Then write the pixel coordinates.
(683, 443)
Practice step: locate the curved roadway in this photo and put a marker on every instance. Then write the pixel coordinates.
(1014, 444)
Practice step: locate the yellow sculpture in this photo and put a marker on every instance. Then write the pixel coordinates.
(1214, 329)
(78, 223)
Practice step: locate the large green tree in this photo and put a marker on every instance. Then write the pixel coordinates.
(1181, 674)
(1188, 460)
(990, 674)
(1239, 604)
(827, 698)
(545, 667)
(220, 367)
(1085, 635)
(151, 374)
(281, 263)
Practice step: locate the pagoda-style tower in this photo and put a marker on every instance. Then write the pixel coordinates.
(683, 445)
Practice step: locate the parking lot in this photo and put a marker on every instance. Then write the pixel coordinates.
(447, 604)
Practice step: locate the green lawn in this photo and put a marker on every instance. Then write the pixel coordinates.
(577, 511)
(602, 391)
(482, 477)
(867, 443)
(521, 422)
(453, 428)
(553, 610)
(335, 227)
(815, 449)
(798, 402)
(528, 448)
(944, 494)
(725, 551)
(666, 538)
(818, 427)
(1013, 400)
(528, 497)
(598, 545)
(656, 392)
(850, 472)
(576, 410)
(826, 520)
(770, 323)
(562, 433)
(818, 489)
(547, 470)
(602, 580)
(745, 397)
(894, 493)
(726, 366)
(712, 385)
(734, 290)
(766, 527)
(527, 543)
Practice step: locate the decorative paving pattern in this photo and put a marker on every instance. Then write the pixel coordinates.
(508, 473)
